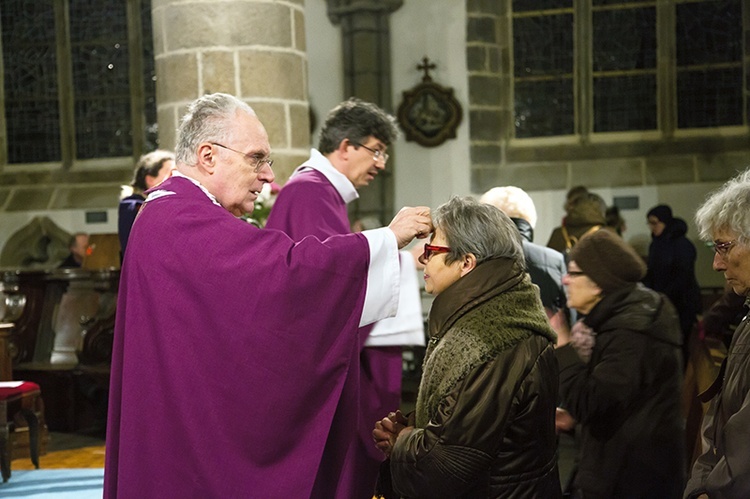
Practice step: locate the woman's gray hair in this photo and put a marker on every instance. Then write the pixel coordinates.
(481, 229)
(727, 209)
(208, 119)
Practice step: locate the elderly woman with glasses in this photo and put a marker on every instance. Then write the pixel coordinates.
(621, 375)
(723, 470)
(484, 424)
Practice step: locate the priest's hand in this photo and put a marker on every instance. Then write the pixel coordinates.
(411, 222)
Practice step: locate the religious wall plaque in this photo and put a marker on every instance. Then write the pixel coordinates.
(429, 113)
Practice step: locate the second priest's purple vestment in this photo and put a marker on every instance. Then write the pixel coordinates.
(230, 352)
(309, 204)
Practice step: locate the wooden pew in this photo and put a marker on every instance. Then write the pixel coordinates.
(63, 340)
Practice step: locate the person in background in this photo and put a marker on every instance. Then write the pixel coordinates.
(78, 245)
(571, 196)
(484, 424)
(233, 343)
(151, 170)
(545, 265)
(621, 376)
(723, 469)
(671, 268)
(615, 220)
(351, 152)
(585, 215)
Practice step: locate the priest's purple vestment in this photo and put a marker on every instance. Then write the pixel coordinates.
(231, 351)
(309, 204)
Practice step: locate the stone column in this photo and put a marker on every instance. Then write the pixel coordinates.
(254, 50)
(367, 74)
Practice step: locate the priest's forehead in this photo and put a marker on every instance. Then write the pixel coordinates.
(248, 134)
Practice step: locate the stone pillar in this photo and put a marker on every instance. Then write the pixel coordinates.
(488, 60)
(254, 50)
(366, 37)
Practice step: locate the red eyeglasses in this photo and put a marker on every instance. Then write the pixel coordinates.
(430, 250)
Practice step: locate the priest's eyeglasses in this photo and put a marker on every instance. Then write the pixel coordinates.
(377, 154)
(723, 248)
(257, 163)
(430, 250)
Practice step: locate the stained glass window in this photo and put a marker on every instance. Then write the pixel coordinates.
(99, 59)
(709, 63)
(99, 45)
(543, 70)
(624, 69)
(618, 71)
(31, 91)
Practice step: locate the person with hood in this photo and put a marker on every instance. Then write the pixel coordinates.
(585, 214)
(484, 424)
(620, 376)
(671, 267)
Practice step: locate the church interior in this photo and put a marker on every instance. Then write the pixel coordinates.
(643, 103)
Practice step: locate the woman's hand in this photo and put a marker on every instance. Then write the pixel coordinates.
(564, 421)
(387, 430)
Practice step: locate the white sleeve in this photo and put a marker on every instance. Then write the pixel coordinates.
(383, 276)
(407, 328)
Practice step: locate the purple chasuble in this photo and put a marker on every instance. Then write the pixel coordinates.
(230, 353)
(310, 205)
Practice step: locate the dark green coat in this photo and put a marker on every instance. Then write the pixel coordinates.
(486, 406)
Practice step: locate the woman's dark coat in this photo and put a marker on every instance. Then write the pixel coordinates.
(486, 407)
(627, 398)
(671, 270)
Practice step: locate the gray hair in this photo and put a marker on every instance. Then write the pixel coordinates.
(513, 201)
(481, 229)
(206, 120)
(727, 209)
(149, 164)
(356, 120)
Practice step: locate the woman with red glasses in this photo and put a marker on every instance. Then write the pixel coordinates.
(484, 424)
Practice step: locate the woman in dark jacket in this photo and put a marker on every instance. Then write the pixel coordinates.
(671, 266)
(152, 169)
(484, 424)
(621, 376)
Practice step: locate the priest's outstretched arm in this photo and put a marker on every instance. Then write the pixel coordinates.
(383, 279)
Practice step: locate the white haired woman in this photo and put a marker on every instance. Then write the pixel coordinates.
(484, 419)
(723, 470)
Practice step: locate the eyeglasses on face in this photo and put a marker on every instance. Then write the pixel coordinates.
(378, 155)
(430, 250)
(257, 163)
(723, 248)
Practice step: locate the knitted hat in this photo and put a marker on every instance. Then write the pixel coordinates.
(610, 262)
(662, 212)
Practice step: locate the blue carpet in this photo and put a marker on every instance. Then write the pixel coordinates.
(62, 484)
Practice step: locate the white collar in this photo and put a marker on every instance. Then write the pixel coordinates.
(320, 163)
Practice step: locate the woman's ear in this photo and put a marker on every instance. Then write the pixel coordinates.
(468, 263)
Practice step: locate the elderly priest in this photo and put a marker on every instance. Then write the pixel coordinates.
(218, 387)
